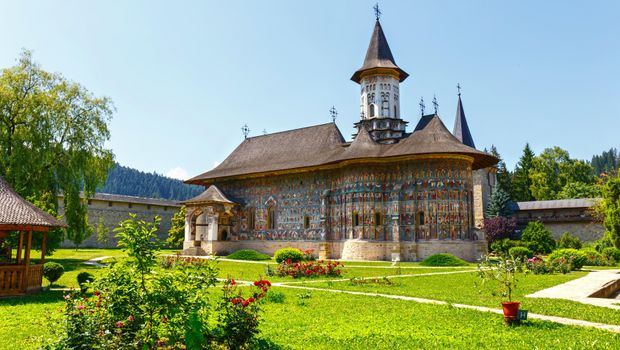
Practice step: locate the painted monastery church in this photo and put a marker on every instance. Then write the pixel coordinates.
(389, 194)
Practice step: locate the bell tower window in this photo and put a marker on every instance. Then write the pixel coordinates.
(271, 218)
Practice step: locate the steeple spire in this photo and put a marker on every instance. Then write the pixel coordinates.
(379, 56)
(461, 130)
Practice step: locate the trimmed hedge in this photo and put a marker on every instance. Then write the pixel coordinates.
(284, 254)
(248, 254)
(597, 259)
(443, 259)
(522, 253)
(579, 257)
(52, 271)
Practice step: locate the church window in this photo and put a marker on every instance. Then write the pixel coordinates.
(130, 205)
(395, 111)
(371, 110)
(356, 218)
(251, 218)
(378, 219)
(271, 218)
(306, 222)
(109, 204)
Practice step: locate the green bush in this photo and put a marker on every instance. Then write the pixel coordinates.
(597, 259)
(53, 271)
(522, 253)
(248, 254)
(538, 238)
(569, 241)
(443, 259)
(275, 297)
(503, 246)
(578, 257)
(284, 254)
(83, 278)
(612, 252)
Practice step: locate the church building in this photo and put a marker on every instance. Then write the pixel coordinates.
(389, 194)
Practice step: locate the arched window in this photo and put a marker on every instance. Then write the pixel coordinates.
(251, 219)
(371, 110)
(378, 219)
(271, 218)
(419, 221)
(306, 222)
(356, 219)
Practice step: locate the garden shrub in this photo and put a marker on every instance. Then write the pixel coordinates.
(52, 271)
(612, 252)
(578, 257)
(284, 254)
(248, 254)
(309, 269)
(275, 297)
(443, 259)
(539, 266)
(538, 238)
(503, 246)
(83, 279)
(498, 228)
(522, 253)
(594, 258)
(568, 240)
(137, 304)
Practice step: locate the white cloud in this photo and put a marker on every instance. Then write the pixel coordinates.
(177, 173)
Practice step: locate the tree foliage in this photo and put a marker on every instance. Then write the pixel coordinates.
(538, 238)
(52, 135)
(610, 208)
(131, 182)
(102, 232)
(504, 177)
(499, 203)
(498, 228)
(553, 169)
(579, 190)
(606, 162)
(521, 181)
(176, 234)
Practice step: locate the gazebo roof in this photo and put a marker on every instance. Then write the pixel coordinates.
(17, 214)
(211, 195)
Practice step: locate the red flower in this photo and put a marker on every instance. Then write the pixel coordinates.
(245, 303)
(251, 300)
(120, 324)
(130, 318)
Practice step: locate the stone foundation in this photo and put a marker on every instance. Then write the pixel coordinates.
(353, 249)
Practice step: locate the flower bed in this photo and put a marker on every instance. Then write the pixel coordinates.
(538, 266)
(309, 269)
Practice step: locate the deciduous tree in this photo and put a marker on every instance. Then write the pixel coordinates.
(553, 169)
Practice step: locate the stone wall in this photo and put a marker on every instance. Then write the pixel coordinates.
(585, 231)
(114, 212)
(483, 180)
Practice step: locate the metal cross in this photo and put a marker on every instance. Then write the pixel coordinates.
(264, 131)
(246, 130)
(333, 113)
(458, 87)
(422, 106)
(377, 11)
(435, 103)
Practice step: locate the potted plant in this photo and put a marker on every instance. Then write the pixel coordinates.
(503, 272)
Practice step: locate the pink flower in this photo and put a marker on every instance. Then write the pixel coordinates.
(130, 318)
(67, 297)
(120, 324)
(80, 307)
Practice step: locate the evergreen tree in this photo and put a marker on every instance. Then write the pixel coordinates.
(504, 177)
(607, 162)
(521, 181)
(499, 204)
(176, 234)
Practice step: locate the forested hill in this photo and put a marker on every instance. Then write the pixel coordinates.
(132, 182)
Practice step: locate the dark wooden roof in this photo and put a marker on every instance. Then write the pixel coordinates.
(378, 55)
(211, 195)
(121, 198)
(16, 212)
(461, 129)
(556, 204)
(324, 145)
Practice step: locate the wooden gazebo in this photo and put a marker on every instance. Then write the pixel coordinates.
(18, 275)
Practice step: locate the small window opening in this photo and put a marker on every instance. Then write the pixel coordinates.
(306, 222)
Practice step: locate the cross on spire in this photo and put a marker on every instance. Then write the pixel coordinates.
(422, 106)
(377, 11)
(333, 113)
(435, 103)
(246, 130)
(458, 87)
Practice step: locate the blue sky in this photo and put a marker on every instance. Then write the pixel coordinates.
(186, 75)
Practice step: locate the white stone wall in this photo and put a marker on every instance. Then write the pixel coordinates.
(484, 181)
(380, 86)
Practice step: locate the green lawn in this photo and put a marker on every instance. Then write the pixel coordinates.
(340, 321)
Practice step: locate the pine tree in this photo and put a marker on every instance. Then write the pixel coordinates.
(521, 181)
(504, 177)
(499, 204)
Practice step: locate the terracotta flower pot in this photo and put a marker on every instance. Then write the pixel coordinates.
(511, 310)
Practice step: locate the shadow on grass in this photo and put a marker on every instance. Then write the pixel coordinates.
(44, 297)
(266, 344)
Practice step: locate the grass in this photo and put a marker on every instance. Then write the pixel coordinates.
(324, 320)
(378, 323)
(466, 288)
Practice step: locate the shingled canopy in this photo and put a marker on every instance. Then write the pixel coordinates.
(17, 275)
(324, 146)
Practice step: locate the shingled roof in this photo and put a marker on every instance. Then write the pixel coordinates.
(324, 145)
(211, 195)
(15, 211)
(378, 55)
(461, 129)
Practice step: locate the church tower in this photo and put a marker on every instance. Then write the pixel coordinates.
(379, 80)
